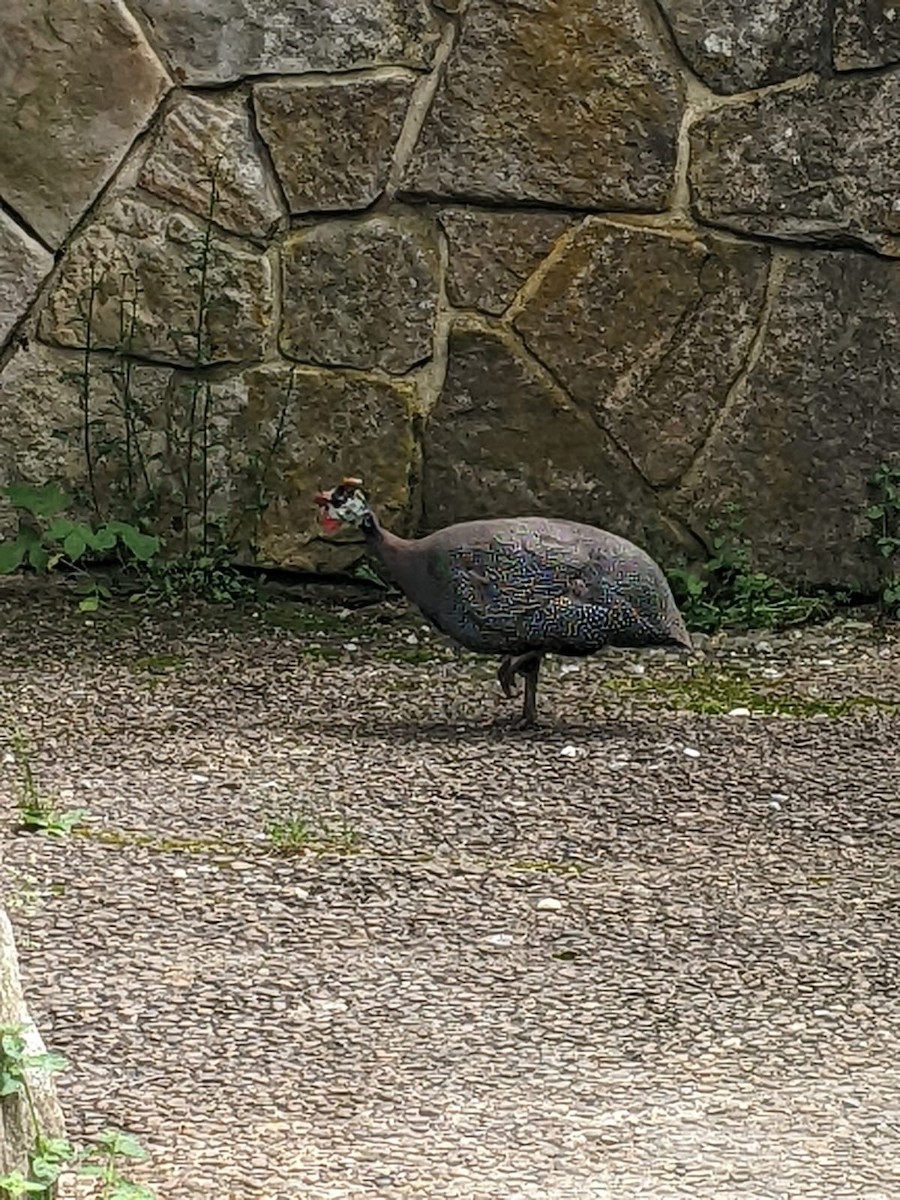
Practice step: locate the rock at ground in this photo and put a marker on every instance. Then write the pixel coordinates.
(491, 254)
(734, 47)
(17, 1134)
(564, 102)
(820, 163)
(204, 43)
(503, 440)
(332, 142)
(648, 330)
(200, 141)
(79, 84)
(816, 415)
(146, 264)
(24, 264)
(361, 295)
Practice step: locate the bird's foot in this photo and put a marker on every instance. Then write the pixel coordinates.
(506, 675)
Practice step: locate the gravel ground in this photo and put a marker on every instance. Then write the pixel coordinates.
(332, 930)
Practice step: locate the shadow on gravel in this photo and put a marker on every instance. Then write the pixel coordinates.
(500, 731)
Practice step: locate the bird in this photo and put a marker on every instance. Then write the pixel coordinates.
(520, 587)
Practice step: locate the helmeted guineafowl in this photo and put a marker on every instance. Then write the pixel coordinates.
(521, 587)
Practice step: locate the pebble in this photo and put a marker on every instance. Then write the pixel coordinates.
(569, 752)
(690, 752)
(548, 904)
(350, 647)
(739, 712)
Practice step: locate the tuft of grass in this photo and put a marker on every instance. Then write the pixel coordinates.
(38, 812)
(296, 832)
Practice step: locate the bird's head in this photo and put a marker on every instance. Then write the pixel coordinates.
(345, 504)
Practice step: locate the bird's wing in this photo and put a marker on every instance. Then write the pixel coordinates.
(537, 596)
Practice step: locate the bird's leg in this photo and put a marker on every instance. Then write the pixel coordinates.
(528, 666)
(505, 674)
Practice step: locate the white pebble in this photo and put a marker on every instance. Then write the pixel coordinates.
(9, 757)
(569, 752)
(412, 640)
(690, 752)
(499, 939)
(350, 646)
(739, 712)
(199, 779)
(548, 904)
(778, 797)
(638, 669)
(569, 668)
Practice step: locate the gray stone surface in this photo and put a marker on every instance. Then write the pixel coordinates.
(42, 426)
(564, 103)
(712, 1013)
(200, 140)
(332, 142)
(817, 164)
(502, 440)
(309, 427)
(361, 294)
(866, 33)
(79, 84)
(649, 331)
(205, 43)
(815, 416)
(17, 1139)
(734, 46)
(492, 254)
(133, 248)
(24, 265)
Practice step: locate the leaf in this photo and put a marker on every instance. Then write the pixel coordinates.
(89, 603)
(9, 1085)
(142, 545)
(875, 512)
(130, 1191)
(44, 501)
(118, 1143)
(49, 1062)
(104, 538)
(38, 557)
(59, 528)
(11, 556)
(74, 545)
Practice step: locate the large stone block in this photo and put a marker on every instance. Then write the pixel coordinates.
(18, 1114)
(156, 256)
(819, 163)
(361, 294)
(302, 429)
(735, 46)
(817, 413)
(79, 84)
(502, 440)
(24, 264)
(332, 142)
(566, 102)
(201, 140)
(866, 34)
(492, 254)
(228, 40)
(648, 330)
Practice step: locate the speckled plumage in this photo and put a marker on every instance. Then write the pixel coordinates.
(513, 586)
(524, 587)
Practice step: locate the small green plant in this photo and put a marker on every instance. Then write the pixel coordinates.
(50, 1156)
(47, 539)
(729, 593)
(102, 1161)
(884, 515)
(209, 575)
(295, 832)
(39, 815)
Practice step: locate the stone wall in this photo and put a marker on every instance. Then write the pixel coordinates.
(622, 261)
